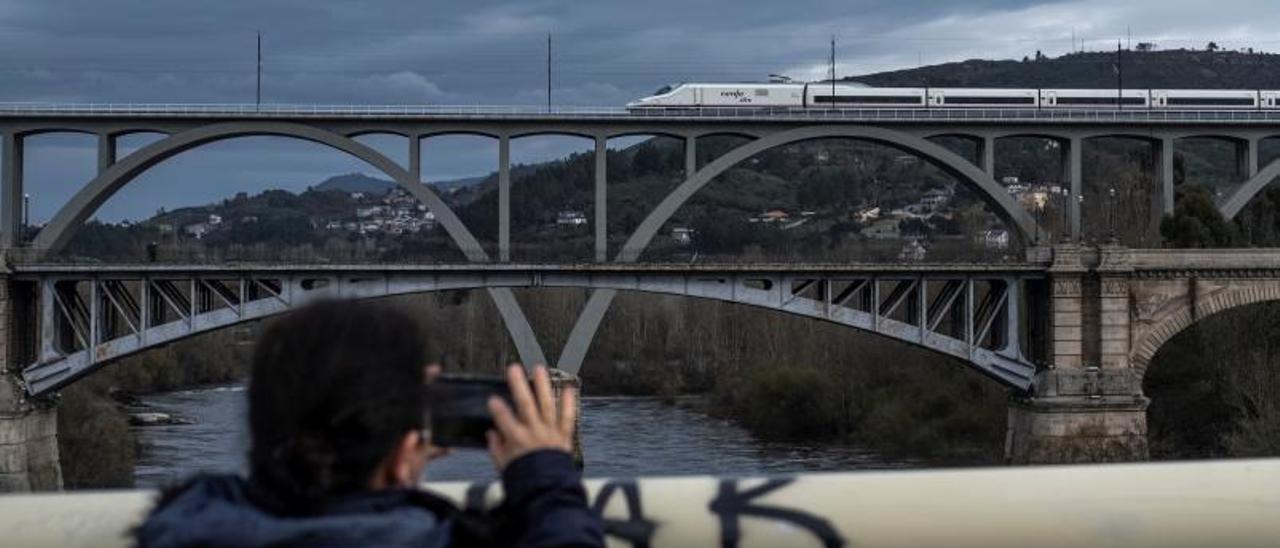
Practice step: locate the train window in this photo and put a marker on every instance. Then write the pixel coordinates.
(992, 100)
(1100, 101)
(663, 90)
(861, 99)
(1210, 101)
(760, 92)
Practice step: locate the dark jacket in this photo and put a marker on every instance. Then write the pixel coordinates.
(545, 505)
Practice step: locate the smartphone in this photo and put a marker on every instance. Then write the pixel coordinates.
(459, 408)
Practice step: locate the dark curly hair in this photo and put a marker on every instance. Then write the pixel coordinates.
(334, 387)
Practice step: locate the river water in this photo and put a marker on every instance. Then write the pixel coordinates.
(621, 436)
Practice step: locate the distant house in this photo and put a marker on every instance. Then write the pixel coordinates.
(214, 219)
(196, 229)
(771, 216)
(936, 198)
(571, 218)
(1009, 180)
(884, 229)
(996, 238)
(1017, 188)
(370, 211)
(913, 251)
(867, 214)
(357, 195)
(682, 235)
(333, 225)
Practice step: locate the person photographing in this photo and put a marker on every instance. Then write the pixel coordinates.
(340, 438)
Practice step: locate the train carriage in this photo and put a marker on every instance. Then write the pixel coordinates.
(983, 98)
(819, 95)
(1204, 99)
(1094, 98)
(822, 95)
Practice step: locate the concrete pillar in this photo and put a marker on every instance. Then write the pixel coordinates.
(11, 192)
(1166, 174)
(415, 157)
(1247, 158)
(602, 200)
(106, 151)
(1079, 411)
(987, 152)
(559, 380)
(28, 428)
(690, 156)
(504, 198)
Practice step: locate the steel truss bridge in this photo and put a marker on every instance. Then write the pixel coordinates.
(89, 316)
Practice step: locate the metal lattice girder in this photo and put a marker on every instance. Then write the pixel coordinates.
(97, 314)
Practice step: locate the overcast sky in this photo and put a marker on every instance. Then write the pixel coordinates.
(487, 52)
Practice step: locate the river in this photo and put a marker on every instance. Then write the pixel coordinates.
(621, 436)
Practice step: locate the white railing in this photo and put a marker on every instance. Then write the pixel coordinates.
(1194, 504)
(598, 112)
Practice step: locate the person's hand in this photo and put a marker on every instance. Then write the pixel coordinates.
(534, 424)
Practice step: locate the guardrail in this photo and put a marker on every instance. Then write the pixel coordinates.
(1198, 504)
(649, 113)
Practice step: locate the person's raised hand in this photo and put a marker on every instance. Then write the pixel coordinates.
(534, 424)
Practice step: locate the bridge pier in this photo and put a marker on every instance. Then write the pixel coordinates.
(28, 427)
(1087, 404)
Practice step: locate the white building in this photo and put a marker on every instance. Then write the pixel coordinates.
(996, 238)
(682, 235)
(571, 218)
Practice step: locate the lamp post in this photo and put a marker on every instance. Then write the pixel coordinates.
(26, 217)
(1111, 215)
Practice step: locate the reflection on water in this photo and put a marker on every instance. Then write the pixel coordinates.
(621, 436)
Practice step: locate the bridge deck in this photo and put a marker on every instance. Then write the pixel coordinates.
(40, 269)
(619, 114)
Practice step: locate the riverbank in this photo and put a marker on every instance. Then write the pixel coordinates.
(96, 443)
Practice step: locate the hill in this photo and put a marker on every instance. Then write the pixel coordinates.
(1180, 68)
(356, 182)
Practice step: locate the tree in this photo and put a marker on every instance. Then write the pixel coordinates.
(1196, 221)
(1213, 46)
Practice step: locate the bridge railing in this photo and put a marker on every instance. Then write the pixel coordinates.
(1197, 504)
(598, 112)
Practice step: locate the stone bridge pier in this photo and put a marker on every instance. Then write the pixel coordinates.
(28, 426)
(1087, 404)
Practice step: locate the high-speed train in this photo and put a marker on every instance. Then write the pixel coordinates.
(821, 96)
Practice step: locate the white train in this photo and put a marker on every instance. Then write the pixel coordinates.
(820, 95)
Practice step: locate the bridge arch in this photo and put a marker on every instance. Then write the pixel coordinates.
(1145, 349)
(1236, 203)
(1004, 362)
(57, 233)
(1009, 211)
(68, 219)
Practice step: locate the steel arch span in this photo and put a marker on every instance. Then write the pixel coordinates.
(90, 317)
(88, 199)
